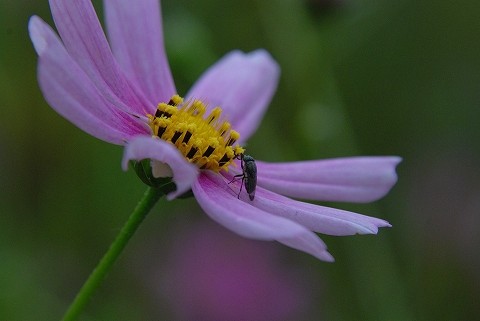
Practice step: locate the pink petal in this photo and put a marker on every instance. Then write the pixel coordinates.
(310, 243)
(146, 147)
(71, 93)
(85, 41)
(318, 218)
(136, 38)
(354, 179)
(243, 85)
(220, 202)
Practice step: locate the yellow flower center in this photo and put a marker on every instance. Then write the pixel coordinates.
(207, 142)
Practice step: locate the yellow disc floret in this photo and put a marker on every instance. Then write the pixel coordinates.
(206, 141)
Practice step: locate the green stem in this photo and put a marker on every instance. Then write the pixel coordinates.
(149, 199)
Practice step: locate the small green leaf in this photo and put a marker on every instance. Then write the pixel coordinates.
(143, 169)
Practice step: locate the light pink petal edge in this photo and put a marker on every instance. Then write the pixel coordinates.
(220, 202)
(317, 218)
(136, 37)
(82, 35)
(243, 85)
(354, 179)
(71, 93)
(309, 243)
(146, 147)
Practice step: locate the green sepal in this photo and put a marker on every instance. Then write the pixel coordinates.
(143, 169)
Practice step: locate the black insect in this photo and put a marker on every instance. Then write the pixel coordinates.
(249, 175)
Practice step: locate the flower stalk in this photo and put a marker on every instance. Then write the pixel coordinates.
(149, 199)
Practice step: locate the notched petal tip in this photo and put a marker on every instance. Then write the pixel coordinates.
(390, 176)
(373, 229)
(383, 223)
(395, 161)
(373, 226)
(263, 57)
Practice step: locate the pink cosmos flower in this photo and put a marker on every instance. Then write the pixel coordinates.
(122, 92)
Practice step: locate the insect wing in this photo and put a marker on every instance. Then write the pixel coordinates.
(250, 172)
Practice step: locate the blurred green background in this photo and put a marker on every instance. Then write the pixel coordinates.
(359, 77)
